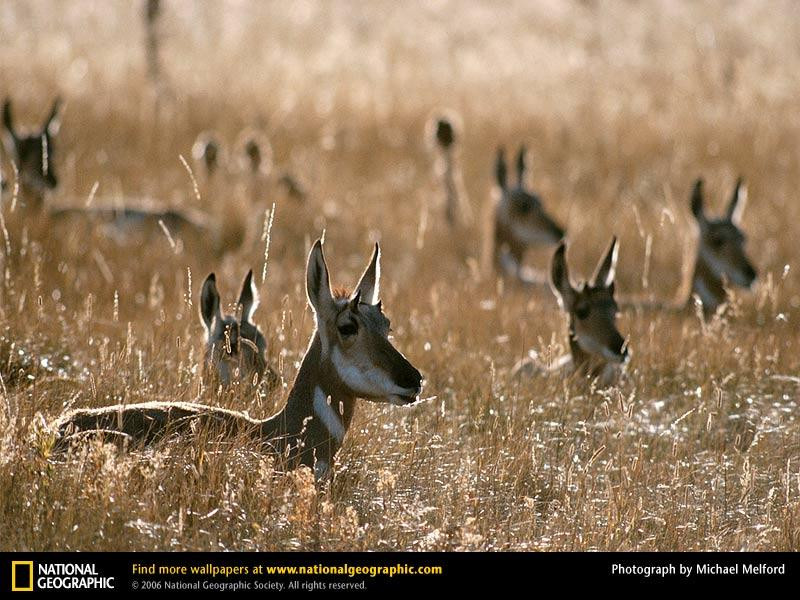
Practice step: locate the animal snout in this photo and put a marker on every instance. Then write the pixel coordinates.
(618, 349)
(409, 378)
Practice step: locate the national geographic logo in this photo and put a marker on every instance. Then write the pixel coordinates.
(21, 575)
(27, 577)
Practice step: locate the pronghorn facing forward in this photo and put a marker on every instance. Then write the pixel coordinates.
(597, 349)
(235, 347)
(350, 356)
(33, 152)
(520, 220)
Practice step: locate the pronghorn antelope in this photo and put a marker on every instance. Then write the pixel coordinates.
(235, 348)
(720, 260)
(208, 152)
(597, 349)
(443, 134)
(256, 159)
(350, 356)
(253, 161)
(33, 153)
(254, 153)
(520, 220)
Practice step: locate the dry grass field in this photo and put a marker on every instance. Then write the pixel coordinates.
(622, 104)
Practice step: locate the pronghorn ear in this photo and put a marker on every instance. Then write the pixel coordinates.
(8, 121)
(738, 202)
(53, 122)
(607, 267)
(559, 277)
(521, 165)
(209, 302)
(369, 285)
(500, 169)
(697, 200)
(318, 284)
(248, 299)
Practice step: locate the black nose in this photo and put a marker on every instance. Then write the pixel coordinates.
(409, 377)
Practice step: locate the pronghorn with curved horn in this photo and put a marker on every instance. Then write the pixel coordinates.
(349, 357)
(519, 221)
(235, 347)
(596, 348)
(720, 260)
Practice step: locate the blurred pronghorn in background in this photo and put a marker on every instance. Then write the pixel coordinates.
(349, 357)
(720, 259)
(33, 152)
(596, 348)
(443, 134)
(519, 222)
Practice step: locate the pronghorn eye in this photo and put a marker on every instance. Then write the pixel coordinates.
(348, 329)
(717, 242)
(582, 312)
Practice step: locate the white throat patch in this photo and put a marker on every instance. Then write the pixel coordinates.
(328, 415)
(372, 382)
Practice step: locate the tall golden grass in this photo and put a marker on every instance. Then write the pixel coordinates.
(623, 104)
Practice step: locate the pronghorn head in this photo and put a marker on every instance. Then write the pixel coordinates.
(721, 247)
(33, 151)
(254, 153)
(235, 348)
(354, 335)
(591, 307)
(521, 209)
(208, 152)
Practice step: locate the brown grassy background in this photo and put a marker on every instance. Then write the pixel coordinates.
(623, 104)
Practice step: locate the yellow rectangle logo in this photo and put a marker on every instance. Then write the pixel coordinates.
(18, 566)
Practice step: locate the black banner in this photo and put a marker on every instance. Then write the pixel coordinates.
(359, 573)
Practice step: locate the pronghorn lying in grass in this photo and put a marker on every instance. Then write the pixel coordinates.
(34, 153)
(350, 356)
(597, 349)
(721, 260)
(235, 347)
(442, 132)
(256, 159)
(520, 220)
